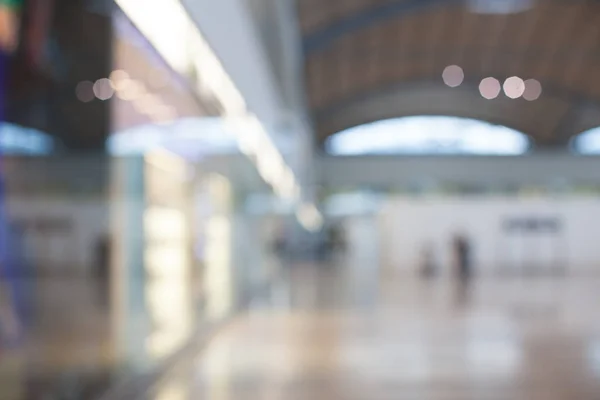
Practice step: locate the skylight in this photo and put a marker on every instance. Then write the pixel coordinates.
(423, 135)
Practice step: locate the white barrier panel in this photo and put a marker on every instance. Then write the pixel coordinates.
(407, 225)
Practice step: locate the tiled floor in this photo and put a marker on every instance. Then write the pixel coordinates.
(329, 333)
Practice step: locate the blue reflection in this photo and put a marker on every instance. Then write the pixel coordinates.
(421, 135)
(15, 139)
(588, 142)
(189, 137)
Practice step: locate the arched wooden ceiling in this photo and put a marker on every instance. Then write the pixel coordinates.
(373, 59)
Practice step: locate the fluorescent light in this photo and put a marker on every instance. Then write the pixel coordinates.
(309, 217)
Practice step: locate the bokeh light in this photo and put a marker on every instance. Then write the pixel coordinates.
(533, 90)
(148, 103)
(453, 75)
(117, 78)
(158, 79)
(130, 89)
(490, 88)
(103, 89)
(163, 114)
(514, 87)
(85, 91)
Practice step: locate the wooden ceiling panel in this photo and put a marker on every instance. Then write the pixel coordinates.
(317, 14)
(556, 42)
(585, 79)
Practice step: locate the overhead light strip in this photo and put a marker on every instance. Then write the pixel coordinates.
(168, 26)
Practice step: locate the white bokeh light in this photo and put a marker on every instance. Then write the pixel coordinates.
(533, 90)
(514, 87)
(453, 75)
(117, 77)
(103, 89)
(490, 88)
(428, 135)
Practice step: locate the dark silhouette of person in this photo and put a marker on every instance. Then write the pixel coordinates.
(280, 245)
(462, 254)
(102, 268)
(463, 269)
(336, 238)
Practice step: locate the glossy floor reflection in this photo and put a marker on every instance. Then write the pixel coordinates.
(64, 344)
(327, 333)
(75, 340)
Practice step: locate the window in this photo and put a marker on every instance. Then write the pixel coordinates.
(422, 135)
(588, 142)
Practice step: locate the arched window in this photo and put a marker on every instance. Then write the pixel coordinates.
(422, 135)
(587, 142)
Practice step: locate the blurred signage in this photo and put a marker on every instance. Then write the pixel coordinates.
(533, 224)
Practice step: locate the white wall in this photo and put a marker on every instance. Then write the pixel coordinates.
(69, 190)
(406, 224)
(362, 240)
